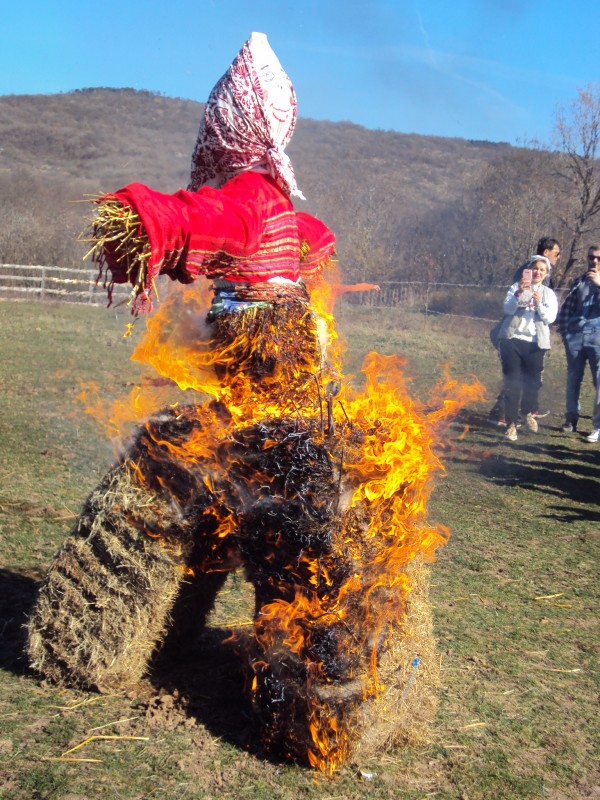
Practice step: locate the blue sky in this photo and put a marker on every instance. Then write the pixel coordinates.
(476, 69)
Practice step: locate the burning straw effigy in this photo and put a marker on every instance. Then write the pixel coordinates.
(316, 489)
(326, 516)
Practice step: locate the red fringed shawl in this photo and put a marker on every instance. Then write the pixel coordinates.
(248, 231)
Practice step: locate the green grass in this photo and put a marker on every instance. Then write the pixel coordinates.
(515, 591)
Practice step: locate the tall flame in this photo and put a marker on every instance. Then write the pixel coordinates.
(331, 581)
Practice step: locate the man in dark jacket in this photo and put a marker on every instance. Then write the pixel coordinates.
(579, 325)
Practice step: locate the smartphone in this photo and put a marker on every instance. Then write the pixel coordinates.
(527, 276)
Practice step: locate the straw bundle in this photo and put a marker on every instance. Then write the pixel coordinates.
(142, 561)
(120, 240)
(105, 602)
(271, 352)
(409, 670)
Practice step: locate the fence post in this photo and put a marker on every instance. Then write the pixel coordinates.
(43, 286)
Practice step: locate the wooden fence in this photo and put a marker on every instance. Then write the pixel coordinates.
(72, 285)
(67, 284)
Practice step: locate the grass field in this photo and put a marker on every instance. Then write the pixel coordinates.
(515, 592)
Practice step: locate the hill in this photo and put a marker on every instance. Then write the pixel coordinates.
(376, 189)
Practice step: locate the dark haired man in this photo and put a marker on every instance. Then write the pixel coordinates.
(550, 248)
(579, 325)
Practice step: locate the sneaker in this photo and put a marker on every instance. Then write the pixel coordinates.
(511, 433)
(594, 435)
(501, 423)
(569, 427)
(531, 423)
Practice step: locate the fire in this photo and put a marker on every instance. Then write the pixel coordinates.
(319, 488)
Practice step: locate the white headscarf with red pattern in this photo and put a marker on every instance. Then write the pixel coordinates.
(249, 119)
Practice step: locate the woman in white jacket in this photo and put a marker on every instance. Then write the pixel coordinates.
(530, 308)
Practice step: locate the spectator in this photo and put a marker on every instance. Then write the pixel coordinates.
(548, 247)
(579, 324)
(530, 307)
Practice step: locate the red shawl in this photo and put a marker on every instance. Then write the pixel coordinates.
(247, 231)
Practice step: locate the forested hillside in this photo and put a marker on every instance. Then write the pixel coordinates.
(403, 206)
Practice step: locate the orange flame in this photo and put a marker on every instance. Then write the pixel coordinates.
(382, 442)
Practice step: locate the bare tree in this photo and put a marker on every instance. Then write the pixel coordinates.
(366, 215)
(577, 136)
(521, 205)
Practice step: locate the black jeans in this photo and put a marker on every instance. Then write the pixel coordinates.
(522, 365)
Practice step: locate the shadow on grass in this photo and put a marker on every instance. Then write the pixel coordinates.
(208, 676)
(563, 466)
(17, 596)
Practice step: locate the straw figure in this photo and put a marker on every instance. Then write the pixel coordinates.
(318, 493)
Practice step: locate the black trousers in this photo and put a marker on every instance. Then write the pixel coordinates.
(522, 365)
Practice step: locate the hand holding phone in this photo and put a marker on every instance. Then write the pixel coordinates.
(526, 279)
(593, 275)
